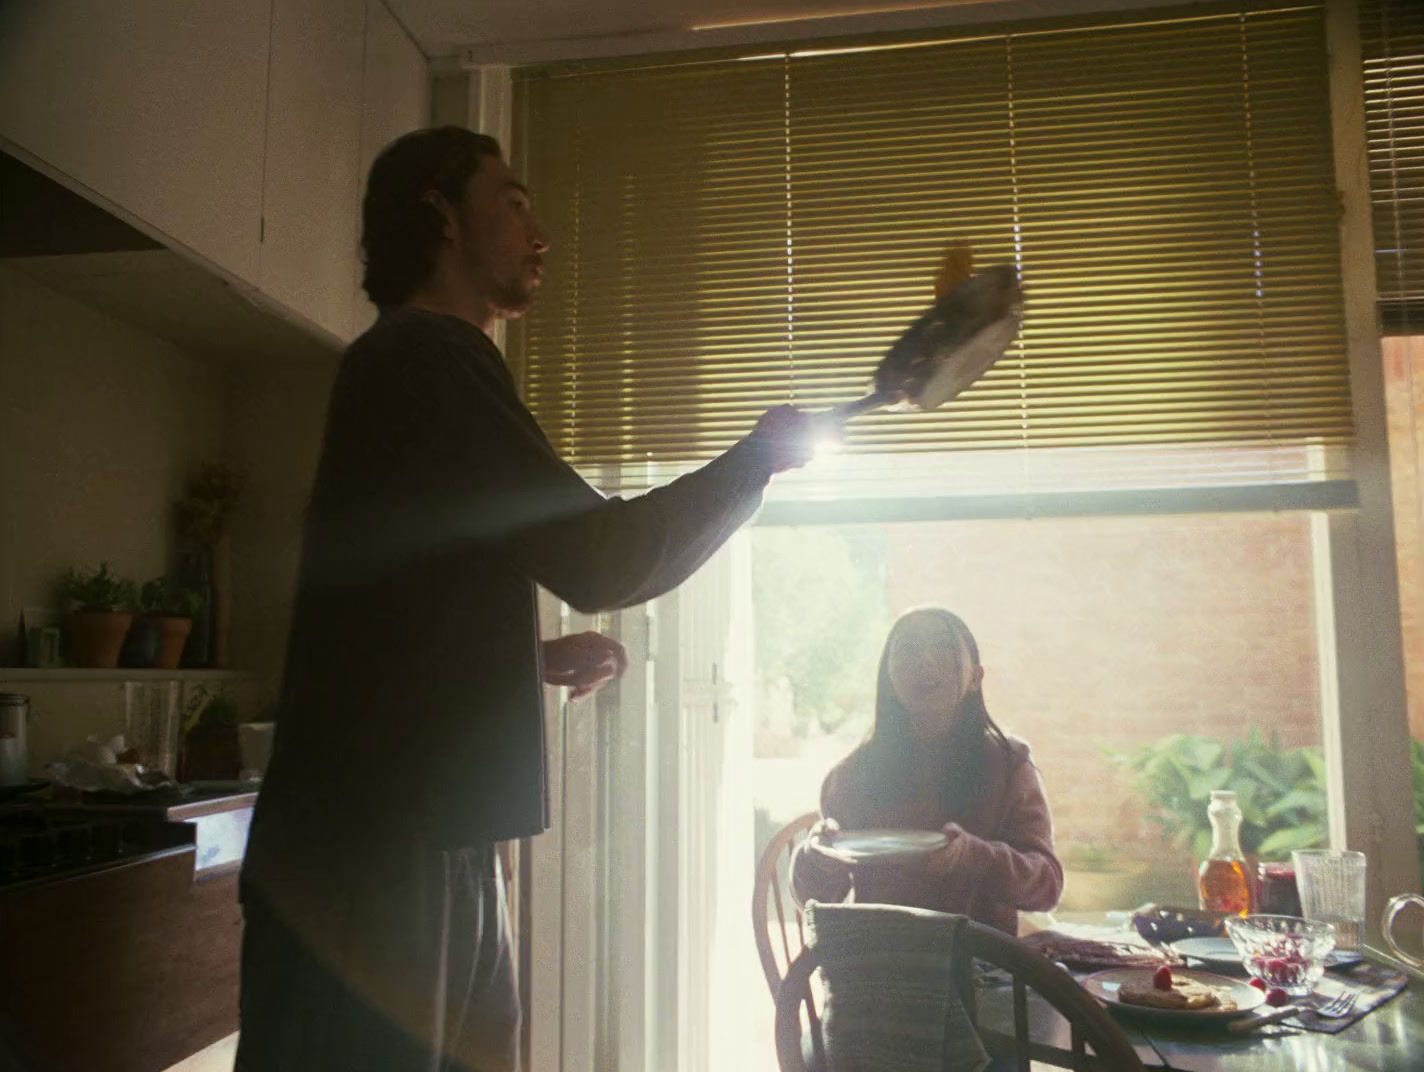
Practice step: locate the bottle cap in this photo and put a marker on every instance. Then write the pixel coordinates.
(1225, 796)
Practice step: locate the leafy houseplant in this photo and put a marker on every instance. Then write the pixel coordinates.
(1281, 791)
(210, 740)
(102, 611)
(1286, 790)
(204, 517)
(163, 599)
(1417, 747)
(157, 638)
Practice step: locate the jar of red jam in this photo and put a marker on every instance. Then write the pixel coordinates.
(1278, 893)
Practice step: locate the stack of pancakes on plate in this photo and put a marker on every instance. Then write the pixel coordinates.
(1184, 994)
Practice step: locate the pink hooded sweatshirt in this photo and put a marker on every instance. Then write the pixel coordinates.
(1007, 861)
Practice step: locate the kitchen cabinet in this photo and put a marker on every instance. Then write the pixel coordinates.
(346, 80)
(238, 131)
(312, 183)
(119, 945)
(395, 99)
(158, 107)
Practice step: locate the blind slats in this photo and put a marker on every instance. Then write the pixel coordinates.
(731, 235)
(1392, 42)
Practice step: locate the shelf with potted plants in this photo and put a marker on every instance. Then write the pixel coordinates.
(119, 631)
(165, 630)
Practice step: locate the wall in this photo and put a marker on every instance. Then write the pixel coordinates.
(1404, 401)
(278, 414)
(100, 425)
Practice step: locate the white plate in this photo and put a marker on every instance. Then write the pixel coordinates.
(1104, 986)
(1219, 951)
(881, 846)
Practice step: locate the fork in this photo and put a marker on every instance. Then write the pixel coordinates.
(1338, 1007)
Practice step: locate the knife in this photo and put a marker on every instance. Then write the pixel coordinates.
(1242, 1026)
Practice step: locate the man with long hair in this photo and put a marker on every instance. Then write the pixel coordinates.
(410, 730)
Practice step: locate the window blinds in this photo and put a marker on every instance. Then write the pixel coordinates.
(730, 233)
(1392, 41)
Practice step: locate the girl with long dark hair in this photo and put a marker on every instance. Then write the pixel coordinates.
(936, 760)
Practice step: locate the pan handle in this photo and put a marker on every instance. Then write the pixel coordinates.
(844, 412)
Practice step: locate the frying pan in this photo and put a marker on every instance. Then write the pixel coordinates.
(950, 345)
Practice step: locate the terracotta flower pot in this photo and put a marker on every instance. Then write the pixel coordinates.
(141, 645)
(173, 635)
(96, 637)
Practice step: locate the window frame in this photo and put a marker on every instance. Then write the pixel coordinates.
(1363, 699)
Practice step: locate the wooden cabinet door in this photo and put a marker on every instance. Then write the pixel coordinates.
(395, 99)
(130, 968)
(311, 189)
(158, 107)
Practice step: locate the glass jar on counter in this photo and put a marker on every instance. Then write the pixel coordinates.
(1278, 893)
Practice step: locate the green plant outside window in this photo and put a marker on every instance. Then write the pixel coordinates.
(1281, 791)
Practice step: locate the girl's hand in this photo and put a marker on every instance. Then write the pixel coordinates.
(948, 858)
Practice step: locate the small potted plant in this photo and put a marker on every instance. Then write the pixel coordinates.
(158, 636)
(102, 613)
(210, 746)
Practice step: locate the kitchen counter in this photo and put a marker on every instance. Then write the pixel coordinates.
(40, 845)
(220, 819)
(172, 807)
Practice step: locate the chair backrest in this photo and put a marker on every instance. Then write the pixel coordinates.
(1090, 1025)
(776, 917)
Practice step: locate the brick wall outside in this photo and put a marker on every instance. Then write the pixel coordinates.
(1404, 398)
(1113, 632)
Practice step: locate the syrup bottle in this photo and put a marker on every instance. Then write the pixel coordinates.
(1223, 883)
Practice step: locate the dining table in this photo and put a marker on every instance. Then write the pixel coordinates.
(1389, 1038)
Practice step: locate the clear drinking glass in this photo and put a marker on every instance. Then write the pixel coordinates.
(1332, 890)
(151, 714)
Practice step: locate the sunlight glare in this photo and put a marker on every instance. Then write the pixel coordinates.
(826, 444)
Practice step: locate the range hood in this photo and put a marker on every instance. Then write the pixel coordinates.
(73, 246)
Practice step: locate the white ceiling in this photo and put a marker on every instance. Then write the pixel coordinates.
(529, 31)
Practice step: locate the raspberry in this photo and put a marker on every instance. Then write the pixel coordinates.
(1259, 984)
(1276, 997)
(1277, 967)
(1162, 978)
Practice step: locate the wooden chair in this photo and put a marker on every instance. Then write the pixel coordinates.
(767, 893)
(1090, 1025)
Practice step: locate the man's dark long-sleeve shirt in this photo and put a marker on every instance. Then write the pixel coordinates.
(412, 699)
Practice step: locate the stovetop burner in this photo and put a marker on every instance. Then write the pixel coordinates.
(35, 844)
